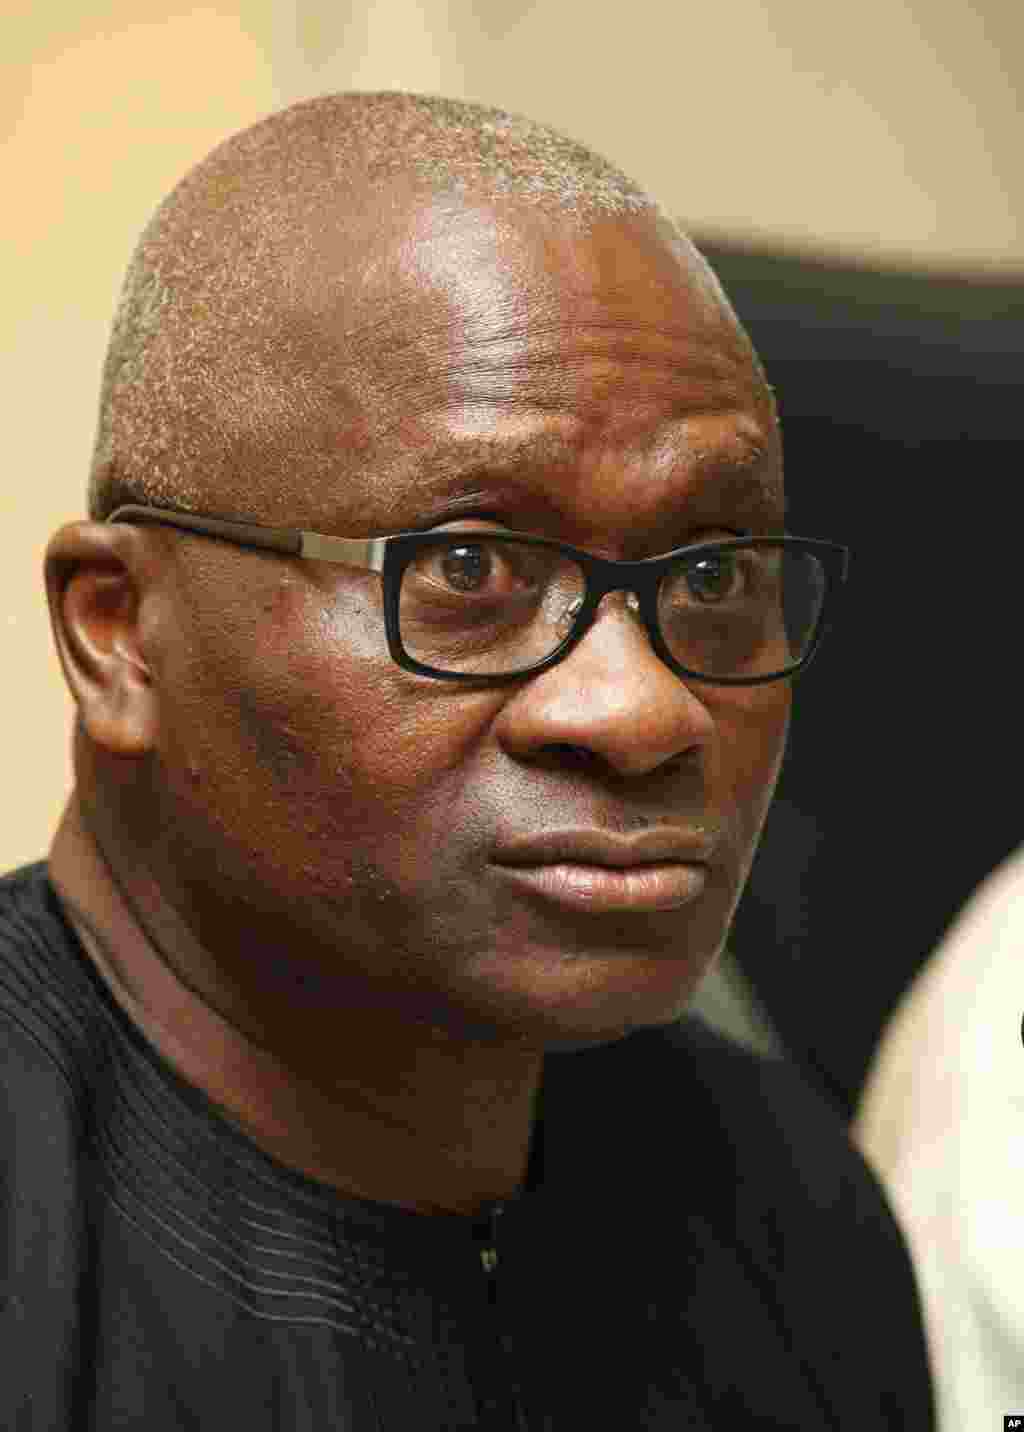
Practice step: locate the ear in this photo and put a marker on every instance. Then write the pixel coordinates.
(96, 577)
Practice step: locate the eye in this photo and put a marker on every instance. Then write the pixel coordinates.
(466, 568)
(477, 568)
(714, 577)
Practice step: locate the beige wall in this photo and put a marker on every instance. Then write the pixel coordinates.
(886, 128)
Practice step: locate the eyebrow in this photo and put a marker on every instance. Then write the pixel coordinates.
(461, 473)
(456, 467)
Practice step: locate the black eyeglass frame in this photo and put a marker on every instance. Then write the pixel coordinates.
(601, 576)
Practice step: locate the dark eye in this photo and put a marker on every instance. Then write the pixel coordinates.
(466, 568)
(713, 577)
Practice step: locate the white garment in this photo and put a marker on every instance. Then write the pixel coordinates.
(942, 1122)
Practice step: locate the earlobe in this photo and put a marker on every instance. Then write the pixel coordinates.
(94, 588)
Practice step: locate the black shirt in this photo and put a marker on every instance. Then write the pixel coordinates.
(698, 1246)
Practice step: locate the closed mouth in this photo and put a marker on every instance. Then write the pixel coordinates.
(598, 872)
(667, 844)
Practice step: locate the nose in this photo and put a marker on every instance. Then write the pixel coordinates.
(611, 697)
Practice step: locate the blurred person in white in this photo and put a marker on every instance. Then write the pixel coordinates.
(942, 1122)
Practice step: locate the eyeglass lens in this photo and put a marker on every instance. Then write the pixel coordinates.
(490, 607)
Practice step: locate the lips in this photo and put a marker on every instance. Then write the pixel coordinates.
(599, 872)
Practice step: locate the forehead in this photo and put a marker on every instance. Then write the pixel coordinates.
(580, 377)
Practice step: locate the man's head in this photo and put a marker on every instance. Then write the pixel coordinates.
(376, 313)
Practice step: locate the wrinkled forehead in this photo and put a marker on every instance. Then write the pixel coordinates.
(430, 342)
(438, 277)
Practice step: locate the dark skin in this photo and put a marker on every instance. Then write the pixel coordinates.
(284, 853)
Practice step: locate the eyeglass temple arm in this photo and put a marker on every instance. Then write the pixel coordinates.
(356, 551)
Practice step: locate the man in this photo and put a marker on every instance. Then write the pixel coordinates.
(322, 1109)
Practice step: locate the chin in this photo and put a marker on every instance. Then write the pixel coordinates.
(589, 1000)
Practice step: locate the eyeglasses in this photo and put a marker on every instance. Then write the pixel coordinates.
(492, 606)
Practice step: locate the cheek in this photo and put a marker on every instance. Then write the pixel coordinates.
(753, 732)
(304, 726)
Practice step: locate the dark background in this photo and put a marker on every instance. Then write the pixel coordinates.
(901, 400)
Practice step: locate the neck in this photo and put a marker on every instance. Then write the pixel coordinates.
(372, 1103)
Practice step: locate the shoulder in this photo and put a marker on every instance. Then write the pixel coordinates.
(34, 941)
(811, 1220)
(761, 1107)
(46, 1006)
(763, 1131)
(759, 1149)
(48, 1046)
(746, 1172)
(38, 950)
(786, 1157)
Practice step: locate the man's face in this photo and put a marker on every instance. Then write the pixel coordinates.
(371, 834)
